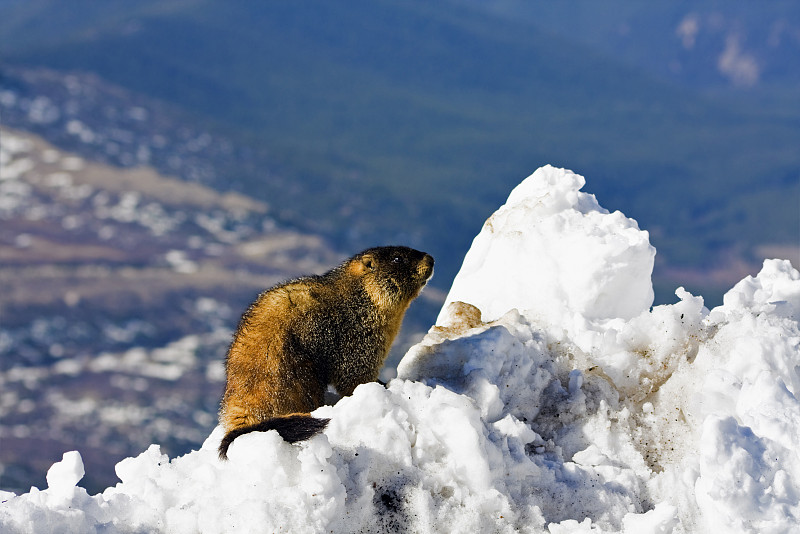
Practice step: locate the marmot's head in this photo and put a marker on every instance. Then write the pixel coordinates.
(392, 276)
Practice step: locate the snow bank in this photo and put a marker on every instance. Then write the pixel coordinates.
(549, 397)
(553, 252)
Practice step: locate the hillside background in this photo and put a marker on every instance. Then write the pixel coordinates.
(275, 138)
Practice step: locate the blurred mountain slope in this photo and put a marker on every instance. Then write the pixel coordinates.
(710, 44)
(398, 119)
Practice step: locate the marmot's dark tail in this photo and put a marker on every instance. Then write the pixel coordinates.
(292, 428)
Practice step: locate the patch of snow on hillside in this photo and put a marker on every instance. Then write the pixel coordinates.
(549, 397)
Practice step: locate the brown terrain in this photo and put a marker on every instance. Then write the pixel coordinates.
(120, 291)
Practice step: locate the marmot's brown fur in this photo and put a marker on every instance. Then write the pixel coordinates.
(300, 336)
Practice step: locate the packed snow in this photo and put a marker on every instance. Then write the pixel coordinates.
(549, 397)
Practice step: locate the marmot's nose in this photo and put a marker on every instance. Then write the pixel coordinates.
(425, 267)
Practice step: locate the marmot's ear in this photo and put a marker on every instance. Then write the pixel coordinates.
(363, 265)
(368, 261)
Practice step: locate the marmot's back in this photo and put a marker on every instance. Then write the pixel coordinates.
(302, 335)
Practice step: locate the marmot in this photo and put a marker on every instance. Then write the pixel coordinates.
(302, 335)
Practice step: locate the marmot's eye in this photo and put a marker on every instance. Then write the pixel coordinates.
(398, 259)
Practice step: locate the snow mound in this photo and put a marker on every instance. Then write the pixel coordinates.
(549, 397)
(551, 251)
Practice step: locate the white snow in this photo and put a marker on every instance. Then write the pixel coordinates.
(64, 475)
(532, 255)
(549, 397)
